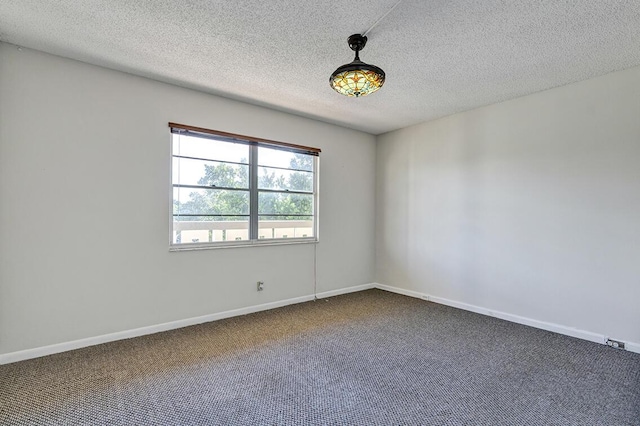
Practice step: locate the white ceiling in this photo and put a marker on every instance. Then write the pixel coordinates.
(440, 57)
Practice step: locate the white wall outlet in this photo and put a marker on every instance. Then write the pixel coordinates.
(260, 285)
(615, 344)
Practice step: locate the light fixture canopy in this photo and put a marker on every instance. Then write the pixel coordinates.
(357, 78)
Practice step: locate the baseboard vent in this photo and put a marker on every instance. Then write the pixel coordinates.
(615, 344)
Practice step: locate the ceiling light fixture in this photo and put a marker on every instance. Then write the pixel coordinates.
(357, 78)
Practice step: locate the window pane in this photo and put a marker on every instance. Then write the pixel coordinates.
(276, 203)
(269, 178)
(204, 229)
(276, 158)
(276, 227)
(212, 191)
(190, 146)
(209, 173)
(210, 201)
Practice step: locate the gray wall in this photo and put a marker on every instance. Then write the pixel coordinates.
(85, 204)
(529, 207)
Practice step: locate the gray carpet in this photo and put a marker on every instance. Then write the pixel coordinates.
(368, 358)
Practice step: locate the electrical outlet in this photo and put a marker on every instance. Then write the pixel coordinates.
(615, 344)
(260, 285)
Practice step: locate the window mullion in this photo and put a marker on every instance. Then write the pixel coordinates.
(253, 194)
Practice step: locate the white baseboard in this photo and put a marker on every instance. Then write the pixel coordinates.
(399, 290)
(632, 347)
(556, 328)
(345, 290)
(127, 334)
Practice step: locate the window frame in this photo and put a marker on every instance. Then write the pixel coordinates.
(253, 164)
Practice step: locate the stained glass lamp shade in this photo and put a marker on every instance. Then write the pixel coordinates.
(357, 78)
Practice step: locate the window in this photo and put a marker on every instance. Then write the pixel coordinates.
(231, 190)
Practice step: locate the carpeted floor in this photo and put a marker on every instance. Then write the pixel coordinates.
(368, 358)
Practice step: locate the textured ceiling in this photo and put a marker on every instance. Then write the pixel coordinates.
(440, 57)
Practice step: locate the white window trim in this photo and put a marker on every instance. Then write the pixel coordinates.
(209, 245)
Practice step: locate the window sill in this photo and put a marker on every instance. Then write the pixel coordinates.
(259, 243)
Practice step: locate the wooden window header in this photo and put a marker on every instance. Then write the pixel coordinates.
(232, 137)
